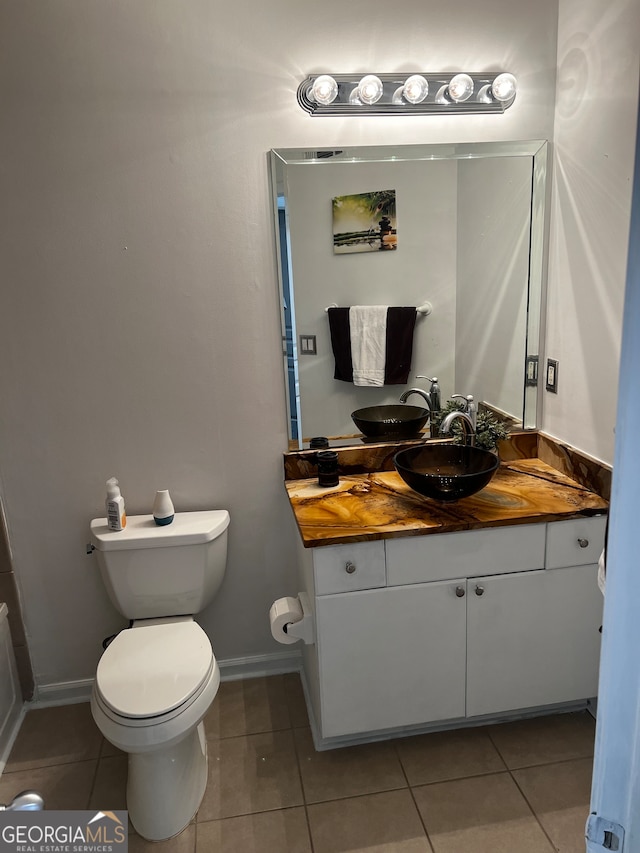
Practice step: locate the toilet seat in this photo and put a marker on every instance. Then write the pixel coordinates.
(154, 670)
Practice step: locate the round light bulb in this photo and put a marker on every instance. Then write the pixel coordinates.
(370, 89)
(504, 87)
(324, 90)
(460, 88)
(415, 89)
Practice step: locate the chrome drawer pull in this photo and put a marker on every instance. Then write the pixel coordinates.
(583, 543)
(350, 567)
(479, 590)
(460, 591)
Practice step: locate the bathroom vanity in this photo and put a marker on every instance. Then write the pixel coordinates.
(431, 616)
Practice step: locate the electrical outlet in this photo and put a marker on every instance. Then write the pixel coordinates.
(552, 375)
(531, 373)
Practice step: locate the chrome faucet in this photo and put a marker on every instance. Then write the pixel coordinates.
(404, 397)
(469, 428)
(470, 407)
(468, 417)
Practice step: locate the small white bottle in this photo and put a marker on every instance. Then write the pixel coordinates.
(116, 517)
(163, 510)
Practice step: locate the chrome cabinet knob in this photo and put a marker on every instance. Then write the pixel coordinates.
(479, 590)
(350, 567)
(583, 543)
(460, 591)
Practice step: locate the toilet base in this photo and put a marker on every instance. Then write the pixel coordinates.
(165, 787)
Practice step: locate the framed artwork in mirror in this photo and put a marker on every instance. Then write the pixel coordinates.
(365, 222)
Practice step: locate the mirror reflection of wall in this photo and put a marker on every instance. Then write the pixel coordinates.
(423, 268)
(493, 231)
(464, 229)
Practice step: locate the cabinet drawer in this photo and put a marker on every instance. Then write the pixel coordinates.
(576, 542)
(445, 556)
(365, 561)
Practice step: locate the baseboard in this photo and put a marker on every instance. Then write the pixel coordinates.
(323, 743)
(61, 693)
(10, 734)
(254, 666)
(257, 666)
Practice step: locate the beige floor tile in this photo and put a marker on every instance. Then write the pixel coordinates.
(347, 772)
(545, 740)
(184, 842)
(57, 735)
(283, 831)
(377, 823)
(109, 749)
(448, 755)
(248, 707)
(64, 786)
(485, 814)
(110, 786)
(296, 701)
(251, 774)
(560, 794)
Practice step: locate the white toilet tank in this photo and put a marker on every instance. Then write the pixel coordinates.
(153, 571)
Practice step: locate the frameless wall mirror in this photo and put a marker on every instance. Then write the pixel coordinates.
(468, 237)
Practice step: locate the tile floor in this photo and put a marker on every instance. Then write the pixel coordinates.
(518, 787)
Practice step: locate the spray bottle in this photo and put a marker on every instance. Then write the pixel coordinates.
(116, 517)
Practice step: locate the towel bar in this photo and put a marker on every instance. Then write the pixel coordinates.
(426, 308)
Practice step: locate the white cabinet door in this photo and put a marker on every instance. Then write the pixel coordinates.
(532, 639)
(391, 657)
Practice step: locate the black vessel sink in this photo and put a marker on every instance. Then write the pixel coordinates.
(446, 472)
(391, 421)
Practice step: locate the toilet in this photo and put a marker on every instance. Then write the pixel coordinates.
(157, 679)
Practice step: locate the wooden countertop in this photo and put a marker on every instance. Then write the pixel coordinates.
(380, 505)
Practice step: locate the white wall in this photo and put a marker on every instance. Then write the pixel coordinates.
(139, 318)
(597, 102)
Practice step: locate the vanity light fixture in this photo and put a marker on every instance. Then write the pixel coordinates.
(417, 93)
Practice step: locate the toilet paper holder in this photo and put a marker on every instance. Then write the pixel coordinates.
(303, 629)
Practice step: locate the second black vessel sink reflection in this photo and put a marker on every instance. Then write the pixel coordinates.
(390, 421)
(446, 472)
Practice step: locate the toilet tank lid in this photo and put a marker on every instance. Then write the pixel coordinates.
(187, 528)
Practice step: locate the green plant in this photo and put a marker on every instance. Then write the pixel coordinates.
(489, 429)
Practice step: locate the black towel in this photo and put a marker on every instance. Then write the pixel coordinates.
(399, 344)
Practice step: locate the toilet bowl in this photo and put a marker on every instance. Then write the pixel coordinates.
(143, 709)
(158, 678)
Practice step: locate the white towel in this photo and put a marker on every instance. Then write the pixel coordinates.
(602, 572)
(368, 328)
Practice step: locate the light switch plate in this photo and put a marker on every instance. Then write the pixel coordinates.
(552, 376)
(308, 345)
(531, 370)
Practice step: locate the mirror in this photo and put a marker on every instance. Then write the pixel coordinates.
(470, 242)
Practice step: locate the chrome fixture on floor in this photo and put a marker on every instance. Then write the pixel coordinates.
(27, 801)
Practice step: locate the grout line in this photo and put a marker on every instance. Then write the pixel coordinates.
(533, 812)
(495, 746)
(93, 783)
(552, 762)
(459, 778)
(539, 763)
(413, 797)
(8, 771)
(302, 788)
